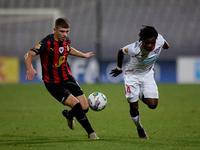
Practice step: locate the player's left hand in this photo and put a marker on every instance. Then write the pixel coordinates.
(88, 54)
(115, 72)
(30, 74)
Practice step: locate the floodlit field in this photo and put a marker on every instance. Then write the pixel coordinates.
(30, 118)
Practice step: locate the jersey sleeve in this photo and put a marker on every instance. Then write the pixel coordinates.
(160, 40)
(130, 49)
(41, 47)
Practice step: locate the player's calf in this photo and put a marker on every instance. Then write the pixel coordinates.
(82, 118)
(134, 109)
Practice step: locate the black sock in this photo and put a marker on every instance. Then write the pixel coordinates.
(69, 113)
(81, 117)
(66, 113)
(85, 111)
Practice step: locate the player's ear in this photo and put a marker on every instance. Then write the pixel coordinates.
(54, 29)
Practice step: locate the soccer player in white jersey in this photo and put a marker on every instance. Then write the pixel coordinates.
(138, 73)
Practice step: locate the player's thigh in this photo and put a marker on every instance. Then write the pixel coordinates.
(73, 87)
(61, 93)
(58, 91)
(71, 101)
(132, 90)
(77, 92)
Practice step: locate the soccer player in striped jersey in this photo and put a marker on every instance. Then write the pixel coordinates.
(57, 76)
(138, 73)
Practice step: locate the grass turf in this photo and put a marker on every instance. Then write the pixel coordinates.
(30, 118)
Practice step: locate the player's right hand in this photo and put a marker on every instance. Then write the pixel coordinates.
(30, 74)
(115, 72)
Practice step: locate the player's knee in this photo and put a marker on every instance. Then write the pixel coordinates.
(152, 104)
(84, 107)
(71, 101)
(79, 113)
(86, 110)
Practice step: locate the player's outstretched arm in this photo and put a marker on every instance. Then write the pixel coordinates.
(28, 61)
(118, 70)
(77, 53)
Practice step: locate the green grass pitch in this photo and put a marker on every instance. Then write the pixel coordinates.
(30, 118)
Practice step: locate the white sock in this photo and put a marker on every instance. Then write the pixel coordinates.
(136, 121)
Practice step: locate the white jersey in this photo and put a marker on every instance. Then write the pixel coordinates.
(142, 61)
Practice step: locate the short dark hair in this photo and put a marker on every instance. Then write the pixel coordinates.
(147, 32)
(62, 22)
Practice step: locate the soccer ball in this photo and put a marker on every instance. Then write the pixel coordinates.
(97, 101)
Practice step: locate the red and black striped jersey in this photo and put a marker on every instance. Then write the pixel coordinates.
(53, 55)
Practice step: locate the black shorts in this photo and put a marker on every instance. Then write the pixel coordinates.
(62, 90)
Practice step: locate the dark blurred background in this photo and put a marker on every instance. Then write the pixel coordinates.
(102, 26)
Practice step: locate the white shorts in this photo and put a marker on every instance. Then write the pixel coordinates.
(134, 84)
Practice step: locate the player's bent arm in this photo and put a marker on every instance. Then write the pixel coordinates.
(120, 58)
(28, 61)
(115, 72)
(166, 45)
(28, 58)
(77, 53)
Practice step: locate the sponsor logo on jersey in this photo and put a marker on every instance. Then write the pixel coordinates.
(148, 60)
(61, 61)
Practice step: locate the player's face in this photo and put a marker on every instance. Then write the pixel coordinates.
(150, 43)
(60, 34)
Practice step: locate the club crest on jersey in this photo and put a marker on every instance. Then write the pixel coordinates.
(61, 49)
(126, 50)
